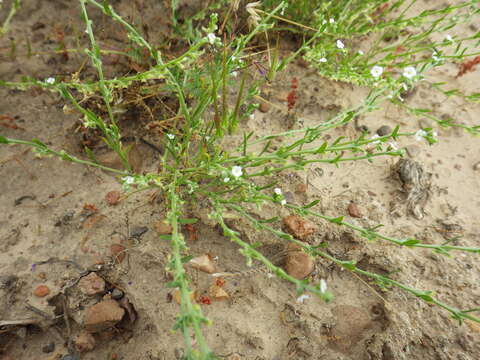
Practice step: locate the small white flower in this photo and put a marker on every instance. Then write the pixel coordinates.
(324, 22)
(436, 56)
(50, 80)
(277, 191)
(420, 135)
(360, 52)
(234, 73)
(448, 37)
(211, 38)
(227, 179)
(340, 44)
(323, 60)
(376, 136)
(252, 116)
(301, 299)
(376, 71)
(323, 285)
(270, 275)
(404, 86)
(283, 202)
(332, 20)
(409, 72)
(171, 136)
(237, 171)
(434, 134)
(128, 180)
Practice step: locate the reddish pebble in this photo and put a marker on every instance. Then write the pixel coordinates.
(112, 198)
(353, 210)
(298, 227)
(118, 252)
(41, 291)
(84, 342)
(92, 284)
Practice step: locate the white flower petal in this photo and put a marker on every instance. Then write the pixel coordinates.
(376, 71)
(409, 72)
(323, 285)
(237, 171)
(277, 191)
(340, 44)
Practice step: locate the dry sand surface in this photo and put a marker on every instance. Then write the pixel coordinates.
(56, 210)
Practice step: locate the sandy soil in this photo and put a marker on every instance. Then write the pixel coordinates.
(43, 216)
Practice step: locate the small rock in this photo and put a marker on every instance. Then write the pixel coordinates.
(413, 150)
(457, 166)
(70, 357)
(298, 227)
(117, 294)
(41, 291)
(102, 316)
(162, 227)
(91, 284)
(301, 188)
(384, 130)
(118, 252)
(298, 263)
(476, 166)
(264, 107)
(112, 198)
(138, 231)
(217, 292)
(203, 263)
(50, 347)
(353, 210)
(84, 342)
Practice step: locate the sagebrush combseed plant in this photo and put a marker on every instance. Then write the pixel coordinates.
(343, 40)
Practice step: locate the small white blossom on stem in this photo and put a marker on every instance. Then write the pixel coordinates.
(448, 37)
(360, 52)
(252, 116)
(436, 56)
(323, 285)
(409, 72)
(376, 71)
(50, 80)
(393, 145)
(376, 136)
(128, 180)
(420, 135)
(277, 191)
(237, 171)
(234, 73)
(171, 136)
(340, 44)
(226, 179)
(301, 299)
(323, 60)
(332, 20)
(283, 202)
(211, 38)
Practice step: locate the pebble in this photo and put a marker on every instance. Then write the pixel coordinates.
(117, 294)
(298, 263)
(264, 107)
(384, 130)
(301, 188)
(117, 251)
(70, 357)
(91, 284)
(298, 227)
(41, 291)
(112, 198)
(353, 210)
(476, 166)
(102, 316)
(413, 150)
(203, 263)
(138, 231)
(50, 347)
